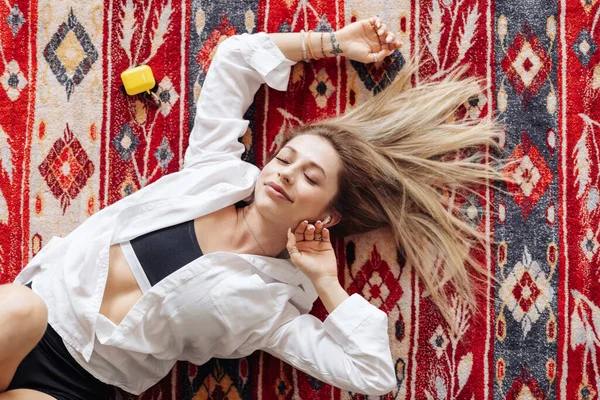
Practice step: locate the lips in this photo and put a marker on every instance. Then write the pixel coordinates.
(279, 189)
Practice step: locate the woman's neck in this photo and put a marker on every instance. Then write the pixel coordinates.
(265, 237)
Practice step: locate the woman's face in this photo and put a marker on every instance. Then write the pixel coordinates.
(306, 168)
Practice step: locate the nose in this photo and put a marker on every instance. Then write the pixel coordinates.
(285, 174)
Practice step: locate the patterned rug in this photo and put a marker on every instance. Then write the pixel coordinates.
(72, 143)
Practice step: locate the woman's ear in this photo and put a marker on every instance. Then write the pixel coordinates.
(334, 217)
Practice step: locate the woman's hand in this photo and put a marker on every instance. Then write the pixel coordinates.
(368, 40)
(314, 257)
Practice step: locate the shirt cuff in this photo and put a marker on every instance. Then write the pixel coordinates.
(348, 316)
(262, 54)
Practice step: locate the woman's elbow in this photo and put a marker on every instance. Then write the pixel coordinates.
(377, 377)
(385, 383)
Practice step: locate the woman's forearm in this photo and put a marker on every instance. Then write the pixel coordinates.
(290, 44)
(331, 293)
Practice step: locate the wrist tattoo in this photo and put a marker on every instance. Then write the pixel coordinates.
(335, 47)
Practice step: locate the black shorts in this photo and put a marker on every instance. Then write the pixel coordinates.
(50, 368)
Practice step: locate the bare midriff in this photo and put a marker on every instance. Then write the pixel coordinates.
(122, 290)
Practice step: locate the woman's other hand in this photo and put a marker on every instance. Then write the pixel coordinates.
(368, 40)
(314, 257)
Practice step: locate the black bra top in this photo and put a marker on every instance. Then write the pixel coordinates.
(165, 250)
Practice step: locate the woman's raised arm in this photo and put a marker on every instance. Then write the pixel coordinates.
(244, 62)
(358, 41)
(241, 64)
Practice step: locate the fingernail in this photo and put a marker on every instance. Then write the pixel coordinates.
(380, 32)
(378, 24)
(319, 221)
(388, 39)
(305, 221)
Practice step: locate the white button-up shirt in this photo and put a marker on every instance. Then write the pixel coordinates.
(222, 304)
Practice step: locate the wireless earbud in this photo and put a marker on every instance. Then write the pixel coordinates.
(327, 219)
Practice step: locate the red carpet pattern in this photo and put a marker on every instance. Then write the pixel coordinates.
(71, 143)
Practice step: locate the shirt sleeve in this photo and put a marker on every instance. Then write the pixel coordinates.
(350, 349)
(240, 65)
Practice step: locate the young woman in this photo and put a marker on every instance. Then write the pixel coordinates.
(194, 265)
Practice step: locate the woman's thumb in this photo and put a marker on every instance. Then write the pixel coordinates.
(291, 245)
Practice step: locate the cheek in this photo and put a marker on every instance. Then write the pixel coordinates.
(312, 197)
(265, 171)
(268, 169)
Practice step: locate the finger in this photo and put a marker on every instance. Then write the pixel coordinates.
(373, 23)
(291, 239)
(375, 32)
(377, 22)
(383, 54)
(394, 42)
(389, 41)
(300, 229)
(291, 245)
(382, 30)
(309, 234)
(325, 236)
(318, 228)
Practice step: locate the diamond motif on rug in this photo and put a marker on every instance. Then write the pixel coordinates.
(439, 341)
(532, 175)
(472, 211)
(584, 46)
(376, 282)
(164, 155)
(322, 88)
(589, 244)
(15, 20)
(126, 142)
(167, 95)
(70, 54)
(526, 64)
(128, 186)
(526, 291)
(66, 168)
(13, 80)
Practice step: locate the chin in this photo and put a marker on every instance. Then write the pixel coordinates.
(268, 206)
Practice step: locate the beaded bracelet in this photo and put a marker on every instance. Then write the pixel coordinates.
(304, 57)
(322, 52)
(310, 47)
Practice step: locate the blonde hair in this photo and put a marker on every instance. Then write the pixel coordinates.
(403, 151)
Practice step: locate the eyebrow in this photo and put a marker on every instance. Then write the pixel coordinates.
(314, 164)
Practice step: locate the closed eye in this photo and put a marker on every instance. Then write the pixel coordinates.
(286, 162)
